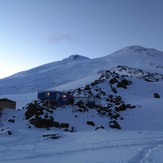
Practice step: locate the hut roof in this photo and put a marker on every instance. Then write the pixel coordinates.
(6, 99)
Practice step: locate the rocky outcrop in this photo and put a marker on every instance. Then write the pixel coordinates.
(156, 95)
(114, 124)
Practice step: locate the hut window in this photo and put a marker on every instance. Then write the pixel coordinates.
(64, 97)
(47, 94)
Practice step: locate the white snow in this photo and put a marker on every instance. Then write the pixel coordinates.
(83, 147)
(139, 141)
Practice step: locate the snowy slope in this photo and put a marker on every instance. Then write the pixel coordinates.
(129, 77)
(139, 57)
(77, 67)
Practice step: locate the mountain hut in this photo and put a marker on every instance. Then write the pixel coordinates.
(55, 98)
(6, 103)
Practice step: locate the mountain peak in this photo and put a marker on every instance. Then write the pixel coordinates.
(75, 57)
(135, 48)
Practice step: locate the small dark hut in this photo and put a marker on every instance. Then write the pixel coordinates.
(55, 98)
(6, 103)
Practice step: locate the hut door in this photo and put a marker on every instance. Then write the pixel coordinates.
(57, 96)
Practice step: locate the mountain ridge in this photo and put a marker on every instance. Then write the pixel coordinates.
(76, 67)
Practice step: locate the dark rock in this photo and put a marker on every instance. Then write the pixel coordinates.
(99, 127)
(156, 95)
(67, 130)
(80, 104)
(122, 107)
(42, 123)
(103, 93)
(113, 89)
(64, 125)
(124, 83)
(87, 87)
(46, 116)
(11, 120)
(33, 109)
(99, 107)
(9, 132)
(98, 96)
(72, 129)
(113, 81)
(115, 115)
(114, 99)
(131, 106)
(79, 90)
(115, 124)
(56, 124)
(110, 114)
(91, 123)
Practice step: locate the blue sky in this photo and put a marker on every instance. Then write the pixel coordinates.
(35, 32)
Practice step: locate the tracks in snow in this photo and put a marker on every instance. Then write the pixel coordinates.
(148, 153)
(143, 149)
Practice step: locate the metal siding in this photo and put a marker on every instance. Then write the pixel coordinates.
(56, 96)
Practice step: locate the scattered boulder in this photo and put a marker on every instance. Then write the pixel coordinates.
(156, 95)
(99, 127)
(42, 123)
(91, 123)
(115, 115)
(113, 89)
(9, 132)
(33, 109)
(124, 83)
(98, 96)
(72, 129)
(131, 106)
(81, 106)
(113, 81)
(115, 124)
(122, 107)
(87, 87)
(11, 120)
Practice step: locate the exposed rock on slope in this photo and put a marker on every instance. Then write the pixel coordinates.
(110, 103)
(137, 73)
(78, 67)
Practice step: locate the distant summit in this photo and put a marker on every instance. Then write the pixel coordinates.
(75, 57)
(137, 51)
(140, 49)
(79, 68)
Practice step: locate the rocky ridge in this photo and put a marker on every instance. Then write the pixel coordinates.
(106, 113)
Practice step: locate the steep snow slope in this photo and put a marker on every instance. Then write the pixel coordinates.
(122, 94)
(139, 57)
(49, 75)
(141, 136)
(77, 67)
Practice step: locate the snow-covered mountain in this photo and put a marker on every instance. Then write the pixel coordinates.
(127, 119)
(76, 67)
